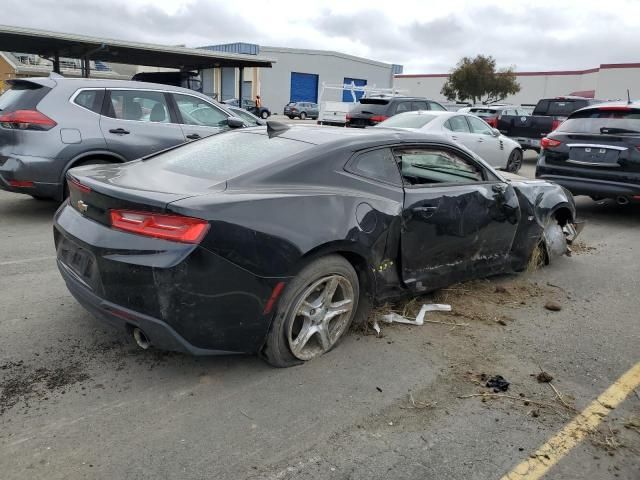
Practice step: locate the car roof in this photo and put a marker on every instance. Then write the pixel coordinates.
(635, 104)
(106, 83)
(325, 135)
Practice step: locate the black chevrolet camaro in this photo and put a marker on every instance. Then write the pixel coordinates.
(273, 239)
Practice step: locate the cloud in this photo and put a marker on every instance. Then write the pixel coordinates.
(423, 36)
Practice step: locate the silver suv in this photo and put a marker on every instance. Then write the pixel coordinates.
(48, 125)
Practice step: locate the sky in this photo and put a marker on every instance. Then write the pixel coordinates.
(425, 36)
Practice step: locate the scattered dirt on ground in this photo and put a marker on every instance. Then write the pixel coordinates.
(544, 377)
(477, 300)
(25, 382)
(579, 247)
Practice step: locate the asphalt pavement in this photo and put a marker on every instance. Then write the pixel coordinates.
(78, 400)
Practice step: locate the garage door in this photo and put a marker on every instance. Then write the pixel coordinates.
(304, 87)
(228, 89)
(346, 94)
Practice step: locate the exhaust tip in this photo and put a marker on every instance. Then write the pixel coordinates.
(141, 339)
(622, 200)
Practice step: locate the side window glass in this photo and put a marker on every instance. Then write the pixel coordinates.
(90, 99)
(141, 106)
(196, 111)
(478, 126)
(378, 165)
(421, 166)
(457, 124)
(403, 107)
(419, 106)
(436, 106)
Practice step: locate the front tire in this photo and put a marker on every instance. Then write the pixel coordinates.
(515, 161)
(313, 313)
(264, 114)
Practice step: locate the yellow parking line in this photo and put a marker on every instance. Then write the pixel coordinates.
(585, 422)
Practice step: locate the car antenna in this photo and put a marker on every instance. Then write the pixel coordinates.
(275, 128)
(628, 97)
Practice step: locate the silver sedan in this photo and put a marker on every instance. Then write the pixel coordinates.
(468, 130)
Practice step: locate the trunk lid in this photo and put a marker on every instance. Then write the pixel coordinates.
(96, 189)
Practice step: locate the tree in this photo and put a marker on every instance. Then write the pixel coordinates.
(476, 79)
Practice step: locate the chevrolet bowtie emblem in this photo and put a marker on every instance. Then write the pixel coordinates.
(83, 207)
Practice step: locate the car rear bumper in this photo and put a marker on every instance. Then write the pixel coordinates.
(183, 297)
(579, 185)
(36, 170)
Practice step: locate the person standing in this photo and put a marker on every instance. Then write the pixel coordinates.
(258, 101)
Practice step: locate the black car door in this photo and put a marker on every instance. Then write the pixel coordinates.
(459, 218)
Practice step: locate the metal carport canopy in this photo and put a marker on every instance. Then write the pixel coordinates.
(55, 44)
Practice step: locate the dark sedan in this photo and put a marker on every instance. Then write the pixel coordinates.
(273, 239)
(595, 152)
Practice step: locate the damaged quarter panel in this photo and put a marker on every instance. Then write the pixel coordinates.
(540, 201)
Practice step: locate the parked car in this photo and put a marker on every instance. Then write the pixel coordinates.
(493, 113)
(301, 110)
(595, 152)
(250, 106)
(370, 111)
(48, 125)
(249, 118)
(273, 239)
(466, 129)
(548, 114)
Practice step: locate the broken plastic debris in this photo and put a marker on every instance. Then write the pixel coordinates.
(427, 307)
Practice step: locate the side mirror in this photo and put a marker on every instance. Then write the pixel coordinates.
(235, 122)
(261, 122)
(495, 132)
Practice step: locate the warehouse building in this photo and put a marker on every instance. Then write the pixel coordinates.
(608, 81)
(296, 75)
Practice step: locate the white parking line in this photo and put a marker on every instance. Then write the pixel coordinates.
(26, 260)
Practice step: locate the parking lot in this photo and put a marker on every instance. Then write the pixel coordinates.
(81, 401)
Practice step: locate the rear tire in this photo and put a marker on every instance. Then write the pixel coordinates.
(303, 116)
(515, 161)
(314, 312)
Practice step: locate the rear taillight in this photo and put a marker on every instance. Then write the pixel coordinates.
(21, 183)
(348, 116)
(492, 122)
(555, 124)
(176, 228)
(26, 120)
(378, 118)
(547, 142)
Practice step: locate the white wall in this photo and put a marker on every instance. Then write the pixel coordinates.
(331, 67)
(608, 83)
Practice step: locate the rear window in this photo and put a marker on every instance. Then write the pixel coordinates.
(408, 121)
(603, 122)
(372, 106)
(559, 108)
(483, 112)
(227, 155)
(22, 96)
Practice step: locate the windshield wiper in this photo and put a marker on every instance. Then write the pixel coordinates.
(617, 130)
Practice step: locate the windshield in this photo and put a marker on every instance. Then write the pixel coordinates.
(227, 155)
(244, 115)
(411, 120)
(372, 106)
(603, 121)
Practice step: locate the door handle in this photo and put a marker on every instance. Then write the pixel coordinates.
(453, 137)
(119, 131)
(193, 136)
(425, 212)
(480, 140)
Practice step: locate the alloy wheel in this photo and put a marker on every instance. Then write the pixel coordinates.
(320, 316)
